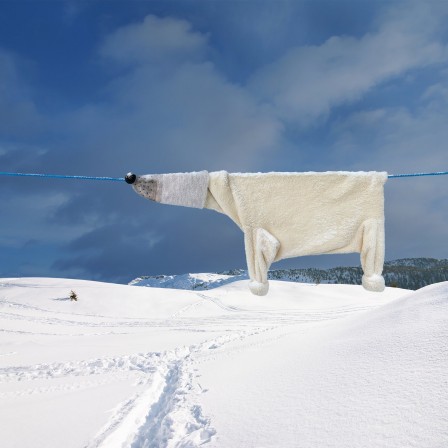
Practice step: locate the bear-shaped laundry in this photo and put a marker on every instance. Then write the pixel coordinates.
(284, 215)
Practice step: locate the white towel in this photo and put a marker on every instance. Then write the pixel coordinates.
(286, 215)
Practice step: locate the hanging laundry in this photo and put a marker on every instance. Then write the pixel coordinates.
(284, 215)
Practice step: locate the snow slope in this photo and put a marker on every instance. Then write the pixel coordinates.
(200, 281)
(305, 366)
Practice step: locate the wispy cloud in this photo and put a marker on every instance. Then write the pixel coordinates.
(308, 81)
(155, 40)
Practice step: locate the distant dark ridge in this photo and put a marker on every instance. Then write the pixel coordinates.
(415, 273)
(425, 263)
(407, 273)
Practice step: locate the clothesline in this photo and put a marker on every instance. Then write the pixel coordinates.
(123, 179)
(63, 176)
(438, 173)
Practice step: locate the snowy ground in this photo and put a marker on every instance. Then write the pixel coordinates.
(306, 366)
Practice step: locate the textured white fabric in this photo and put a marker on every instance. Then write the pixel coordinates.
(186, 189)
(286, 215)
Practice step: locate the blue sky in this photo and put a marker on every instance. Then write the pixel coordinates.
(102, 88)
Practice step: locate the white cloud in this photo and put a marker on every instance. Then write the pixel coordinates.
(307, 82)
(155, 40)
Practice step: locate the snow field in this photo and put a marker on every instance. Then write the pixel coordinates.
(305, 366)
